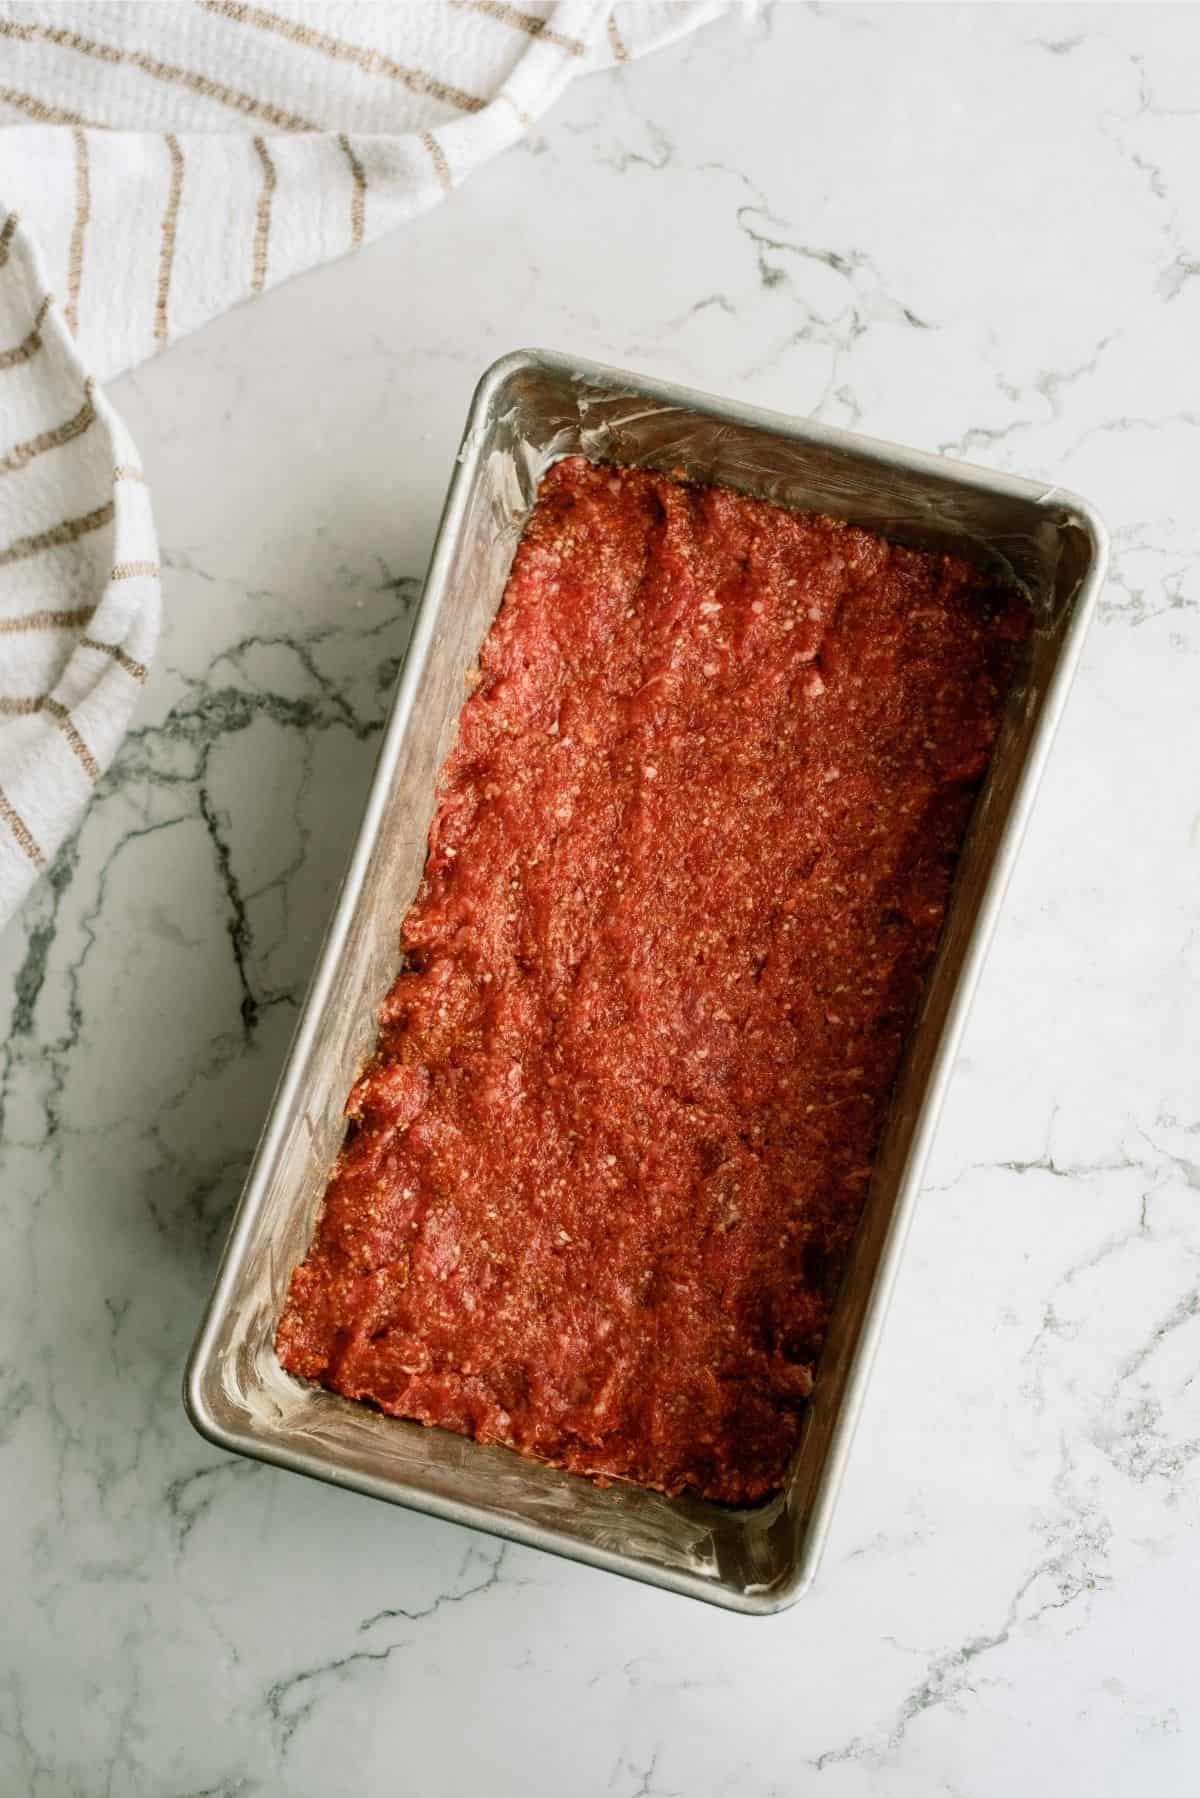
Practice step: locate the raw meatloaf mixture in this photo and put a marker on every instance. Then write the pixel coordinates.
(690, 859)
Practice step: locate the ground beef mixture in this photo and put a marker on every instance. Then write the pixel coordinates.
(690, 860)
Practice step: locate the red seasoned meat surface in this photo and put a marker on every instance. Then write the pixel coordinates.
(689, 864)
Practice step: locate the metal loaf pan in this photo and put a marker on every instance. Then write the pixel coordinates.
(530, 408)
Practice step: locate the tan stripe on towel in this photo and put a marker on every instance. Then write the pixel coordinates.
(530, 22)
(166, 254)
(138, 670)
(21, 548)
(125, 471)
(6, 235)
(23, 706)
(438, 157)
(30, 344)
(41, 110)
(149, 65)
(262, 217)
(615, 41)
(21, 453)
(20, 830)
(358, 205)
(66, 724)
(44, 620)
(371, 62)
(83, 206)
(132, 571)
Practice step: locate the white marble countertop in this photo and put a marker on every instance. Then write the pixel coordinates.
(972, 229)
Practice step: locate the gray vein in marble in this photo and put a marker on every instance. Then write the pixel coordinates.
(865, 300)
(1048, 384)
(636, 1680)
(1171, 583)
(41, 1777)
(494, 1576)
(643, 1772)
(227, 1788)
(287, 1716)
(1185, 1309)
(719, 300)
(16, 1396)
(849, 264)
(1127, 423)
(1060, 46)
(189, 1497)
(237, 923)
(1182, 264)
(661, 155)
(123, 1756)
(1073, 1567)
(202, 1193)
(30, 979)
(1043, 1163)
(55, 1055)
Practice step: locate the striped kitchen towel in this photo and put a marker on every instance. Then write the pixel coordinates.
(160, 163)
